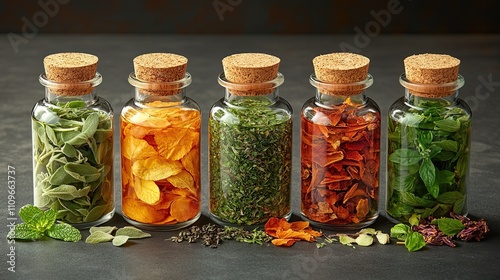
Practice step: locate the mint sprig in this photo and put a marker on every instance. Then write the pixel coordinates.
(412, 240)
(38, 223)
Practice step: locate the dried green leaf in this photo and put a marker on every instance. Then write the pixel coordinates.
(383, 238)
(67, 192)
(119, 240)
(99, 237)
(370, 231)
(132, 232)
(346, 240)
(364, 240)
(106, 229)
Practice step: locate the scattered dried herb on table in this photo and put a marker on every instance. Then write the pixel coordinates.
(250, 162)
(340, 159)
(160, 164)
(212, 235)
(73, 160)
(428, 161)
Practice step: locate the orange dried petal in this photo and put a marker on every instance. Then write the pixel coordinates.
(136, 210)
(284, 242)
(138, 131)
(166, 200)
(289, 233)
(175, 143)
(147, 191)
(299, 225)
(184, 193)
(362, 208)
(134, 149)
(183, 180)
(191, 162)
(271, 226)
(184, 208)
(156, 168)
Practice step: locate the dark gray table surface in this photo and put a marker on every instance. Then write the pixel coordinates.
(156, 258)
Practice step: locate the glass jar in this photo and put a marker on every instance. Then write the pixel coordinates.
(160, 156)
(73, 152)
(428, 151)
(340, 156)
(250, 154)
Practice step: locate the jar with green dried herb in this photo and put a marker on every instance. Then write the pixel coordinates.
(250, 142)
(428, 141)
(72, 132)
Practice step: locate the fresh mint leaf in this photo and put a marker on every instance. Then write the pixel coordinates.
(450, 226)
(400, 231)
(25, 232)
(450, 197)
(448, 125)
(39, 223)
(65, 232)
(428, 175)
(414, 220)
(447, 145)
(425, 137)
(44, 221)
(28, 212)
(414, 241)
(415, 201)
(405, 157)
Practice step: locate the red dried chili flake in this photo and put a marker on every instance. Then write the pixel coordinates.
(340, 160)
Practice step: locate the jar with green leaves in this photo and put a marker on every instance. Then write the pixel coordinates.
(72, 132)
(429, 133)
(250, 142)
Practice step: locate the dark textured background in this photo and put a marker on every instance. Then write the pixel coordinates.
(249, 16)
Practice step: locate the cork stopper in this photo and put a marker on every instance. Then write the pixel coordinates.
(432, 72)
(252, 71)
(68, 71)
(338, 72)
(162, 70)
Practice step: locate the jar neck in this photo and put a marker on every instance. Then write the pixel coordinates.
(337, 94)
(64, 92)
(160, 94)
(242, 100)
(329, 100)
(431, 95)
(424, 102)
(250, 94)
(146, 99)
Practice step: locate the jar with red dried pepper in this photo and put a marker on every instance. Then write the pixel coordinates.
(340, 145)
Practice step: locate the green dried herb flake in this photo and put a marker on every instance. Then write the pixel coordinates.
(250, 162)
(73, 158)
